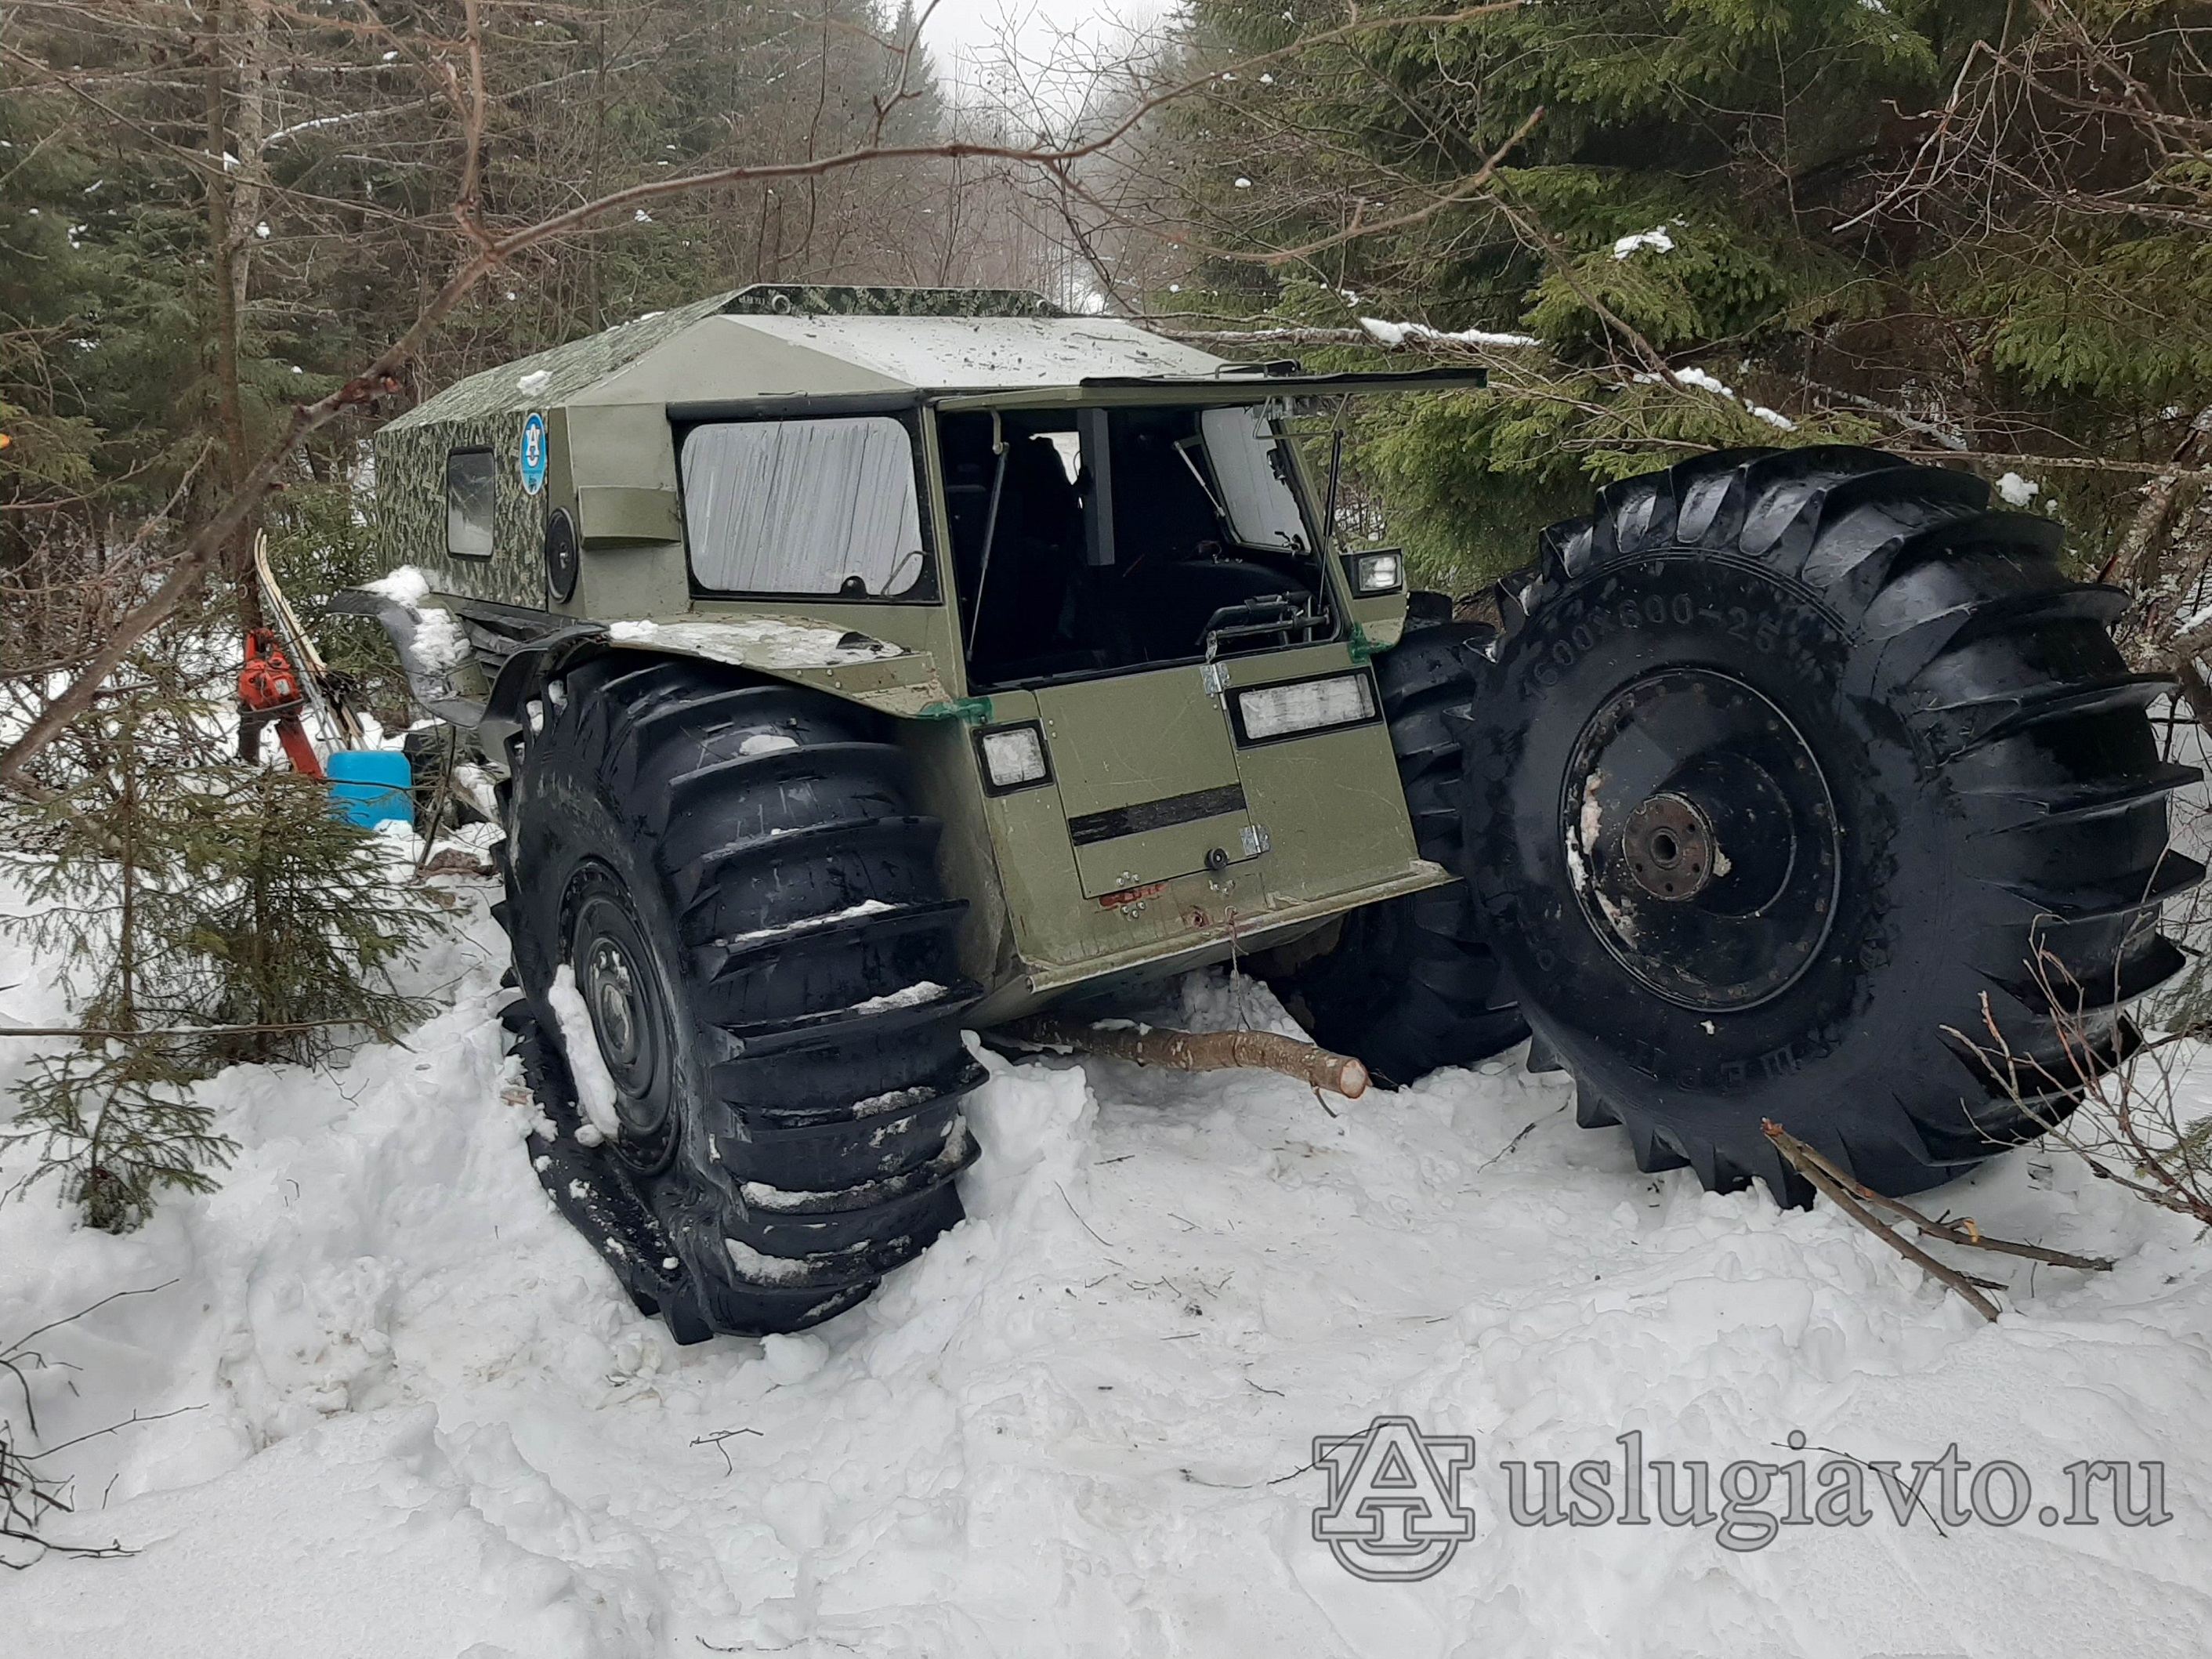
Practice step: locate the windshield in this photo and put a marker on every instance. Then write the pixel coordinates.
(1249, 464)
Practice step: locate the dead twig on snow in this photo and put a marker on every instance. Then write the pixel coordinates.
(1859, 1201)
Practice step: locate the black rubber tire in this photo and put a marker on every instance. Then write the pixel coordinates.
(1412, 985)
(1995, 781)
(740, 857)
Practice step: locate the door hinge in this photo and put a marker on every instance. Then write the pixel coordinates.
(1256, 840)
(1214, 676)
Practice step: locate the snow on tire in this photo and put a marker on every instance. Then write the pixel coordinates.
(717, 882)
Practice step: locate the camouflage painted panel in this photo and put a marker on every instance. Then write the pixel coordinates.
(554, 377)
(780, 299)
(411, 499)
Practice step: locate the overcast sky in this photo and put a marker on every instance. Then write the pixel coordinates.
(963, 34)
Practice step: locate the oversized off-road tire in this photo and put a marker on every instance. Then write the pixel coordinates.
(1801, 769)
(732, 871)
(1411, 984)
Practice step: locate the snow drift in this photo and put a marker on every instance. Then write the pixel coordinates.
(398, 1408)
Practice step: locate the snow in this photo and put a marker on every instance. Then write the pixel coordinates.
(536, 381)
(874, 1105)
(762, 1196)
(767, 743)
(911, 996)
(1705, 382)
(414, 1416)
(793, 1358)
(407, 585)
(439, 642)
(764, 1269)
(2016, 492)
(986, 353)
(757, 642)
(1656, 239)
(579, 1042)
(850, 913)
(1395, 335)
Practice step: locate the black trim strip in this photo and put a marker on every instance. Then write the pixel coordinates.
(1238, 377)
(1095, 827)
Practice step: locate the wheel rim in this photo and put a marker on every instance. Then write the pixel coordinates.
(622, 991)
(1701, 839)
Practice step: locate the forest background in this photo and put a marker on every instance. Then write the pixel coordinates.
(1974, 231)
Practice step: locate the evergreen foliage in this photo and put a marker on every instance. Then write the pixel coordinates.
(1944, 225)
(208, 915)
(322, 538)
(160, 316)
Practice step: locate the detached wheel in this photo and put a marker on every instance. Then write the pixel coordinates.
(1798, 762)
(1411, 984)
(719, 884)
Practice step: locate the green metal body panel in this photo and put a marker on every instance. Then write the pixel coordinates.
(1142, 737)
(1072, 885)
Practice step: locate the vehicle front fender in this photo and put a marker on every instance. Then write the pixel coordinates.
(490, 698)
(854, 666)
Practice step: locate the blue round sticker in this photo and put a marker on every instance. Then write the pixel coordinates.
(533, 454)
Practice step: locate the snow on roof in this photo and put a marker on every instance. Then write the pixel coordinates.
(766, 340)
(984, 354)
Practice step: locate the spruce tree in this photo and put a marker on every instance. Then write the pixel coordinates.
(1729, 223)
(206, 913)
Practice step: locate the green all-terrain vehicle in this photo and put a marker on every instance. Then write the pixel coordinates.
(852, 667)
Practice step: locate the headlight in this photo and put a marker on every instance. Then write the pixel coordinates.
(1282, 711)
(1013, 757)
(1377, 572)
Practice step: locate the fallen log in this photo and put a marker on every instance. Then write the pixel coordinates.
(1190, 1051)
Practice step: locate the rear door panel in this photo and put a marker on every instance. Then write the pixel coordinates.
(1329, 802)
(1147, 775)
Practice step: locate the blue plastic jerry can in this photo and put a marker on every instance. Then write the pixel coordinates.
(370, 786)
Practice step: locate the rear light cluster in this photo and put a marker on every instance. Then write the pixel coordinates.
(1268, 712)
(1013, 757)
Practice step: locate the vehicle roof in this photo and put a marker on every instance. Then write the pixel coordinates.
(776, 341)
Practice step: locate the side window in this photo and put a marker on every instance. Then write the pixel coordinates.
(804, 507)
(471, 489)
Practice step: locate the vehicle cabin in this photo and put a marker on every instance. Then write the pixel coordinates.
(1078, 563)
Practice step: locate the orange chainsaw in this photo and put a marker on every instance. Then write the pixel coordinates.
(269, 692)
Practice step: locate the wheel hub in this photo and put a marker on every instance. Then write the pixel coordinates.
(613, 1002)
(1701, 839)
(623, 998)
(1668, 845)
